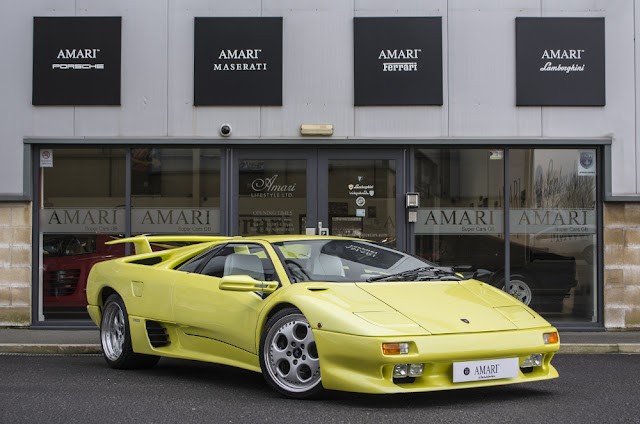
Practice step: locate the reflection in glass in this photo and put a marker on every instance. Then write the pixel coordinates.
(273, 196)
(460, 221)
(552, 222)
(83, 207)
(362, 199)
(175, 191)
(553, 230)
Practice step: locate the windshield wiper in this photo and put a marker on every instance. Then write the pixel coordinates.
(419, 274)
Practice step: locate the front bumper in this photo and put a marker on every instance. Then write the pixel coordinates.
(356, 363)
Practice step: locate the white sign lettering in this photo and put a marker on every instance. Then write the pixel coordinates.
(570, 54)
(239, 54)
(242, 54)
(397, 54)
(267, 187)
(78, 54)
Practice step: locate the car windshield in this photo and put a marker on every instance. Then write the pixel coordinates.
(345, 260)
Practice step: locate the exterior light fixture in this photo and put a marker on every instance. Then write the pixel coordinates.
(316, 129)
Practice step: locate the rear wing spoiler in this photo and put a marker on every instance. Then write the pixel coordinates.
(142, 243)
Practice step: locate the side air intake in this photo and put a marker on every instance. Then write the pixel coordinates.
(157, 334)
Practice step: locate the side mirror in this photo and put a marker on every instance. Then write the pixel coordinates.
(244, 283)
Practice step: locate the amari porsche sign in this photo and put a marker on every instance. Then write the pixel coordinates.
(398, 61)
(238, 61)
(76, 60)
(560, 62)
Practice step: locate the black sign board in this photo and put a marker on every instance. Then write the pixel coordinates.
(238, 61)
(398, 61)
(76, 60)
(560, 62)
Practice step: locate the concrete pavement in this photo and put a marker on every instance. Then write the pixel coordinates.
(74, 341)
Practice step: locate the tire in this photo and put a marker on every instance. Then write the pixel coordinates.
(289, 357)
(520, 288)
(115, 338)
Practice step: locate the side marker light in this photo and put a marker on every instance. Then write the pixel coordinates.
(550, 337)
(395, 348)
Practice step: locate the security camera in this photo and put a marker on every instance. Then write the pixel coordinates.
(225, 130)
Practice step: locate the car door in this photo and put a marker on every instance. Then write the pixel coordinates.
(227, 316)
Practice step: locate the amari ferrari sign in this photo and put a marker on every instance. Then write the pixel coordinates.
(76, 61)
(560, 62)
(398, 61)
(238, 61)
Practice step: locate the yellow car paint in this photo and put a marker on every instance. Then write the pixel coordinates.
(350, 320)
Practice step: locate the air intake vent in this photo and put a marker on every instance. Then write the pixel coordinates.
(157, 334)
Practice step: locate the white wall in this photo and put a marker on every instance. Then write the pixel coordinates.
(478, 62)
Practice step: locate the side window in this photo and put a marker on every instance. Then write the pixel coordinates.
(241, 259)
(193, 264)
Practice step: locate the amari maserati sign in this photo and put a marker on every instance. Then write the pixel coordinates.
(76, 60)
(398, 61)
(560, 62)
(238, 61)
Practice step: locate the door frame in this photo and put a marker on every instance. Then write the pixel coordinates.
(236, 155)
(317, 179)
(395, 154)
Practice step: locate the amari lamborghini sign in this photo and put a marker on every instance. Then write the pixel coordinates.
(560, 62)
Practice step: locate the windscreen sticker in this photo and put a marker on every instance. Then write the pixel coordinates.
(363, 250)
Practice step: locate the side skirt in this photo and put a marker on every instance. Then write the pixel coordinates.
(184, 346)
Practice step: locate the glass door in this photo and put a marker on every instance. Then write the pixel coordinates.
(273, 192)
(340, 192)
(361, 194)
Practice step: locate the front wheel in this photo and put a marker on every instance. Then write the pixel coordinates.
(288, 355)
(115, 337)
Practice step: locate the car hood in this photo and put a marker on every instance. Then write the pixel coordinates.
(447, 307)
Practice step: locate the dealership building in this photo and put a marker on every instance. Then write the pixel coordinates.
(499, 138)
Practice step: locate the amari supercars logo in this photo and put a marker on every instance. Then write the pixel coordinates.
(70, 54)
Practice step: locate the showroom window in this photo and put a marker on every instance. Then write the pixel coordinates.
(553, 238)
(85, 203)
(552, 222)
(175, 191)
(462, 201)
(82, 207)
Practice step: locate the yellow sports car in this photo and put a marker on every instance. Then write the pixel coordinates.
(315, 313)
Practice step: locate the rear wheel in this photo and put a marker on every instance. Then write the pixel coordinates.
(115, 337)
(288, 355)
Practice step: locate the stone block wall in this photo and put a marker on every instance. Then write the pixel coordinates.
(15, 264)
(622, 265)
